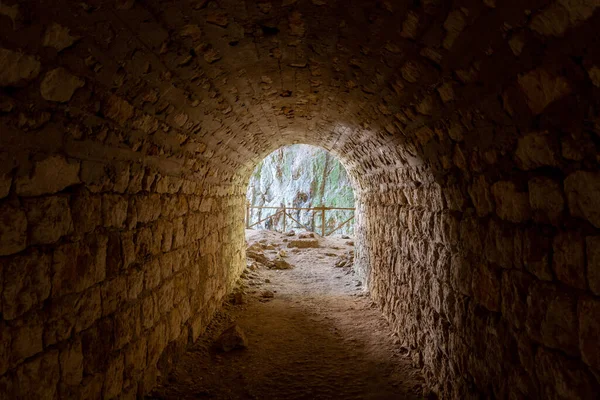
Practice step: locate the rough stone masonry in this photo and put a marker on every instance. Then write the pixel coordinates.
(470, 128)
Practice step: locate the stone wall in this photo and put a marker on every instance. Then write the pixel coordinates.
(470, 130)
(114, 248)
(106, 265)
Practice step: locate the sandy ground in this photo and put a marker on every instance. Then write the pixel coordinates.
(319, 337)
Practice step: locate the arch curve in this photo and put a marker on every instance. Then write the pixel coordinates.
(129, 128)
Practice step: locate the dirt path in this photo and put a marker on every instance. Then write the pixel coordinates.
(319, 337)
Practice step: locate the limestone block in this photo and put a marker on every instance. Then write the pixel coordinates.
(157, 341)
(511, 205)
(197, 326)
(180, 206)
(13, 229)
(97, 342)
(143, 243)
(471, 234)
(410, 71)
(149, 313)
(148, 207)
(135, 358)
(165, 297)
(114, 210)
(91, 387)
(486, 287)
(561, 377)
(166, 264)
(127, 325)
(552, 317)
(128, 248)
(534, 150)
(157, 238)
(49, 219)
(185, 309)
(71, 363)
(181, 284)
(206, 205)
(114, 294)
(589, 331)
(168, 206)
(131, 221)
(167, 240)
(536, 253)
(179, 234)
(114, 255)
(410, 25)
(26, 283)
(78, 266)
(146, 123)
(517, 43)
(118, 110)
(583, 193)
(189, 187)
(86, 211)
(454, 25)
(121, 177)
(545, 195)
(174, 327)
(559, 16)
(593, 263)
(481, 197)
(58, 36)
(553, 20)
(5, 183)
(5, 349)
(148, 180)
(38, 378)
(135, 178)
(454, 197)
(135, 284)
(17, 68)
(500, 244)
(461, 274)
(113, 383)
(446, 92)
(59, 85)
(50, 175)
(152, 274)
(594, 73)
(568, 259)
(72, 314)
(168, 184)
(541, 88)
(515, 289)
(96, 176)
(27, 338)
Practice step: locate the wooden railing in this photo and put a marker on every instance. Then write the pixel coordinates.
(283, 211)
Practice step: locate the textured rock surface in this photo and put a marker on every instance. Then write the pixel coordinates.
(301, 176)
(474, 158)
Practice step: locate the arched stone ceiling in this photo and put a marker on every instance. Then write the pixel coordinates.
(245, 77)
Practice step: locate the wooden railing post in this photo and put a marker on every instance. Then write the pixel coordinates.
(323, 220)
(284, 209)
(248, 215)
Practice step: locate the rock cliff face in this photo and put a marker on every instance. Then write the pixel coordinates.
(301, 176)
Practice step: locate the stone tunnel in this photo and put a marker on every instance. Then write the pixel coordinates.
(470, 129)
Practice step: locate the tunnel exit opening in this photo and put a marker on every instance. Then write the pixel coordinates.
(300, 206)
(301, 188)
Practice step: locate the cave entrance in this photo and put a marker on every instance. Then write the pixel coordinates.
(301, 188)
(300, 213)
